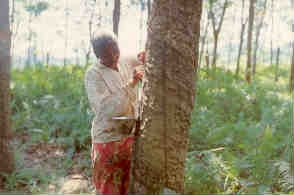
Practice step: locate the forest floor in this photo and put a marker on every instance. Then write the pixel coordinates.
(239, 136)
(42, 159)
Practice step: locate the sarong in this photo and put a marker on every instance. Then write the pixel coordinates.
(111, 166)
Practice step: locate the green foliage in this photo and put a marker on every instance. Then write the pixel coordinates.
(239, 135)
(251, 123)
(37, 8)
(50, 104)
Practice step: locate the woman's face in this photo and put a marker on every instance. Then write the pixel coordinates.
(111, 56)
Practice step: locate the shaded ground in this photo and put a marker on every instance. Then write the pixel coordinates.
(46, 168)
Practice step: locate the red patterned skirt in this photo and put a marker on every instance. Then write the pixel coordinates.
(111, 166)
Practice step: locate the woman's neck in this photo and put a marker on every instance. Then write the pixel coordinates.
(109, 65)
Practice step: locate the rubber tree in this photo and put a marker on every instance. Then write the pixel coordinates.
(249, 40)
(243, 27)
(261, 8)
(6, 162)
(116, 16)
(160, 145)
(217, 10)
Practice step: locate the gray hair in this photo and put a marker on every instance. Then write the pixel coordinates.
(101, 39)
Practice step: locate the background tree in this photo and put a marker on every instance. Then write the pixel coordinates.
(261, 7)
(6, 163)
(243, 27)
(66, 26)
(277, 65)
(249, 40)
(203, 35)
(116, 16)
(168, 97)
(149, 7)
(292, 61)
(272, 31)
(34, 9)
(217, 10)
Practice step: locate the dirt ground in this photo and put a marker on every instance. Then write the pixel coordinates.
(49, 168)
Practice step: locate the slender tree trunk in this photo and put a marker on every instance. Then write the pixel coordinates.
(292, 68)
(257, 35)
(272, 32)
(292, 61)
(6, 162)
(249, 40)
(207, 56)
(29, 61)
(216, 30)
(66, 33)
(277, 65)
(203, 41)
(240, 48)
(168, 97)
(243, 26)
(149, 8)
(142, 8)
(215, 45)
(255, 50)
(47, 58)
(116, 16)
(90, 27)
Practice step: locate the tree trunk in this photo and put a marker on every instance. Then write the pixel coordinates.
(207, 59)
(255, 50)
(66, 33)
(292, 61)
(215, 45)
(257, 34)
(240, 48)
(116, 16)
(47, 58)
(29, 49)
(277, 65)
(203, 40)
(292, 68)
(160, 147)
(142, 8)
(272, 32)
(216, 30)
(6, 162)
(249, 40)
(243, 26)
(148, 7)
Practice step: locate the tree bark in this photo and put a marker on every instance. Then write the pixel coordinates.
(240, 48)
(277, 65)
(216, 30)
(215, 46)
(272, 31)
(203, 41)
(116, 16)
(292, 61)
(243, 26)
(149, 8)
(249, 40)
(66, 33)
(292, 68)
(257, 35)
(160, 147)
(6, 162)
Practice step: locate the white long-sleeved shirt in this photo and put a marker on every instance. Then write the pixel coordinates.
(109, 96)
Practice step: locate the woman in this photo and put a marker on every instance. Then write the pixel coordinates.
(109, 96)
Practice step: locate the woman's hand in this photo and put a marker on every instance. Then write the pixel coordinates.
(138, 74)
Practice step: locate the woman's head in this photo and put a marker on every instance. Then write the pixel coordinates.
(106, 48)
